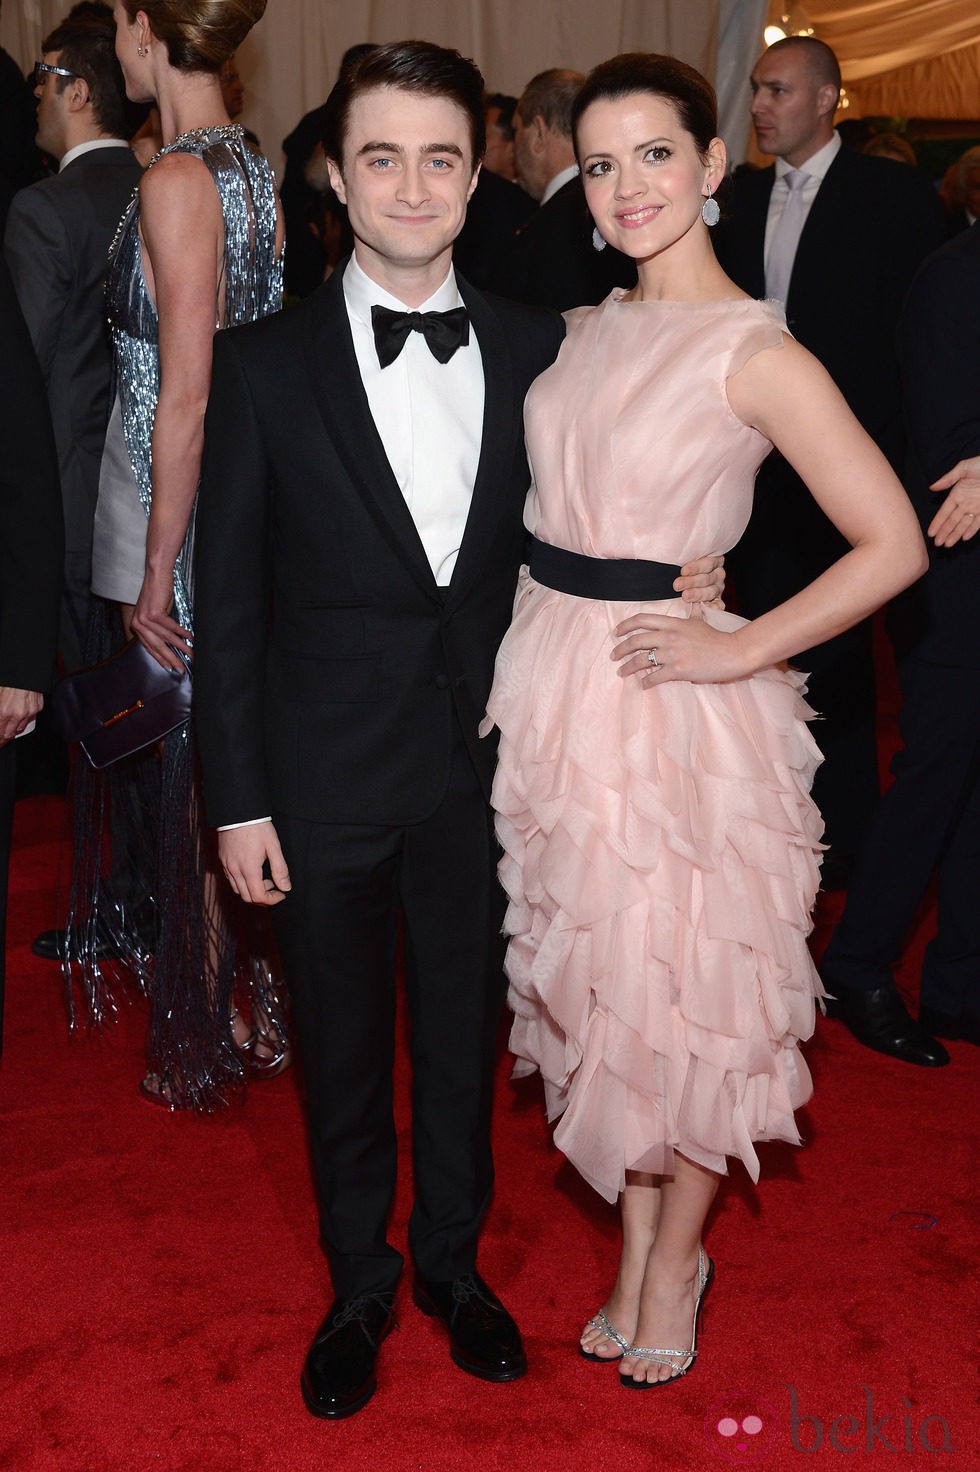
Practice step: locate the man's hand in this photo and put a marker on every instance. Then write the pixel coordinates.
(958, 518)
(243, 852)
(17, 709)
(702, 581)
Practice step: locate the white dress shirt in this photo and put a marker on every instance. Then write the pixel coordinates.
(429, 416)
(559, 182)
(816, 167)
(92, 144)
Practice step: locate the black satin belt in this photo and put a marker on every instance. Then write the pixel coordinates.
(605, 578)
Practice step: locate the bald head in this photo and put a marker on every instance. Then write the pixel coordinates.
(795, 90)
(543, 128)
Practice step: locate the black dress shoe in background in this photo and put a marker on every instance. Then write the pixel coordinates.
(50, 946)
(338, 1375)
(880, 1020)
(963, 1027)
(483, 1338)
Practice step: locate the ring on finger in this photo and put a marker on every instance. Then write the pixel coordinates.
(652, 657)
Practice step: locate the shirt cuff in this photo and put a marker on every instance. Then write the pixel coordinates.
(249, 823)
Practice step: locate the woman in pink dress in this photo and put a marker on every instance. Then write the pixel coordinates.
(661, 850)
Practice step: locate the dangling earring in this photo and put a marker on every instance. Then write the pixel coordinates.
(710, 213)
(597, 241)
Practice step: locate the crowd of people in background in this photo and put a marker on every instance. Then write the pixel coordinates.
(389, 310)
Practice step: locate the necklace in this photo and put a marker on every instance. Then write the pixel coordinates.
(221, 132)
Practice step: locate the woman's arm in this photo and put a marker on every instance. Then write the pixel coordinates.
(182, 230)
(787, 395)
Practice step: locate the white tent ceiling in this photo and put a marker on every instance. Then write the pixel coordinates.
(903, 57)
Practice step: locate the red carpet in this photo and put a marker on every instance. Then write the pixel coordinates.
(161, 1276)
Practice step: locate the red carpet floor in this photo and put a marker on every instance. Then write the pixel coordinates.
(161, 1276)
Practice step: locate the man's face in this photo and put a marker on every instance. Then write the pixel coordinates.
(528, 158)
(406, 177)
(499, 157)
(51, 109)
(793, 114)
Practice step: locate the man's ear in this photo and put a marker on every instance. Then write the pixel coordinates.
(827, 97)
(336, 180)
(79, 95)
(539, 133)
(476, 175)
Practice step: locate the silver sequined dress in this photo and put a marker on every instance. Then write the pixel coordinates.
(152, 906)
(251, 287)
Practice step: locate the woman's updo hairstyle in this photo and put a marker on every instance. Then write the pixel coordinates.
(200, 35)
(691, 95)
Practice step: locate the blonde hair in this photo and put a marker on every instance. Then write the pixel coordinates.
(200, 35)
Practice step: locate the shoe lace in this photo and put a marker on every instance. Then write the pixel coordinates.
(357, 1308)
(467, 1287)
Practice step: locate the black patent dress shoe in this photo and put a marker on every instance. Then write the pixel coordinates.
(483, 1338)
(338, 1376)
(963, 1027)
(50, 946)
(880, 1020)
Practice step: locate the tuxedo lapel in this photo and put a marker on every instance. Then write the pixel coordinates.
(501, 428)
(343, 407)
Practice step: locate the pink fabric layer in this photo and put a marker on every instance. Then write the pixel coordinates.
(661, 849)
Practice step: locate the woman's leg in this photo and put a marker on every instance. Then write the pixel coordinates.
(639, 1206)
(670, 1281)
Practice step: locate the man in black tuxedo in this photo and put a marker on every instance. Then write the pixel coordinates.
(929, 819)
(57, 244)
(841, 256)
(31, 554)
(552, 261)
(364, 480)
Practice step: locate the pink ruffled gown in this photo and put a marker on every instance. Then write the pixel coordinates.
(661, 849)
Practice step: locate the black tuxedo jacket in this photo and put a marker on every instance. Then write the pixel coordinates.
(31, 532)
(939, 352)
(57, 245)
(552, 262)
(330, 670)
(871, 224)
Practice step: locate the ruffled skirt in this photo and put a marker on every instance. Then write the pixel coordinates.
(661, 857)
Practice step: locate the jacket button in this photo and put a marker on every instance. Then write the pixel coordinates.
(441, 682)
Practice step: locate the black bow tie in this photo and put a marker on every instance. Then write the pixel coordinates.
(443, 331)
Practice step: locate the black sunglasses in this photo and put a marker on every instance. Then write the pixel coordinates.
(44, 69)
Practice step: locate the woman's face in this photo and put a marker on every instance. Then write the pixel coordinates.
(129, 39)
(644, 179)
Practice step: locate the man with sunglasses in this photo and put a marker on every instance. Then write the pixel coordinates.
(56, 244)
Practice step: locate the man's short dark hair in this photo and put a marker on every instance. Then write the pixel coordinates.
(505, 105)
(86, 45)
(417, 67)
(550, 95)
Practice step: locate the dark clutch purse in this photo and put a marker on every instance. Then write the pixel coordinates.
(121, 705)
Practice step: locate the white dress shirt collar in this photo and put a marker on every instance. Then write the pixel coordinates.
(93, 143)
(817, 164)
(362, 294)
(559, 182)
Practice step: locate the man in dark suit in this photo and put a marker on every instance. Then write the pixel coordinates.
(31, 554)
(56, 245)
(553, 261)
(929, 819)
(364, 479)
(841, 254)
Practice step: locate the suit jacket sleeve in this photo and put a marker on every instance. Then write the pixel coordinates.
(940, 360)
(232, 597)
(31, 524)
(39, 256)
